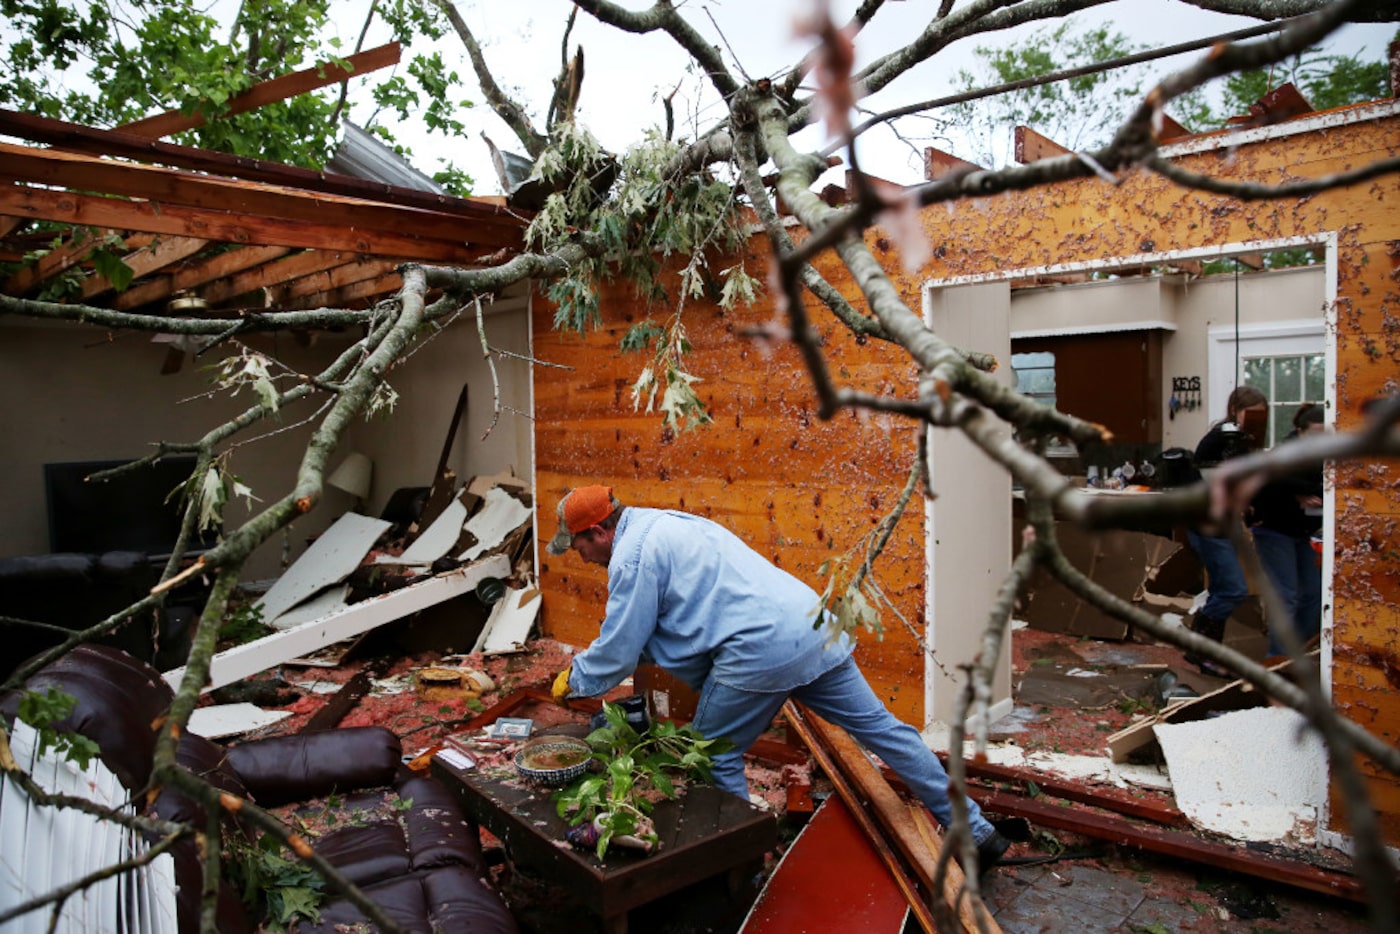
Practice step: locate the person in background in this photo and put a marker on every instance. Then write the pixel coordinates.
(1225, 580)
(1285, 516)
(690, 596)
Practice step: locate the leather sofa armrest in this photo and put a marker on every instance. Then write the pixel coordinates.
(284, 769)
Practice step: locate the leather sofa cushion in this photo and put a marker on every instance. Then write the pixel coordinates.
(283, 769)
(458, 900)
(402, 900)
(366, 854)
(119, 700)
(209, 761)
(438, 832)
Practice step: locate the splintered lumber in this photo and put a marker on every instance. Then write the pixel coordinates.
(830, 871)
(827, 762)
(1178, 843)
(920, 850)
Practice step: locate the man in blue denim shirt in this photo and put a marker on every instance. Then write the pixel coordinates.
(690, 596)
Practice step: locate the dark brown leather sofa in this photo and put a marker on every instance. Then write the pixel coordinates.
(424, 868)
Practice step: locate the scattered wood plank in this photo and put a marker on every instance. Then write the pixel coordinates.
(344, 700)
(1178, 843)
(827, 763)
(921, 852)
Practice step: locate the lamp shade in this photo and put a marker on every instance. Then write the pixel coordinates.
(353, 475)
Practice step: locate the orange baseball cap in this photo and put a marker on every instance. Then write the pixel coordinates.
(581, 509)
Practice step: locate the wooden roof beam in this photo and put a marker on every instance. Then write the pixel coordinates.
(348, 296)
(334, 278)
(94, 142)
(169, 186)
(938, 164)
(155, 217)
(62, 258)
(147, 260)
(193, 275)
(276, 273)
(271, 91)
(1030, 146)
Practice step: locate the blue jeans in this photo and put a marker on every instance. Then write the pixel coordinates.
(1293, 569)
(1224, 576)
(843, 697)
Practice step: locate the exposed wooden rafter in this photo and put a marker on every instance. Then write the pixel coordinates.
(272, 90)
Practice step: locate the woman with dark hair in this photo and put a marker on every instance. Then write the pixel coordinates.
(1286, 515)
(1226, 586)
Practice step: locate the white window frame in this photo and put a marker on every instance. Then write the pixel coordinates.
(1268, 339)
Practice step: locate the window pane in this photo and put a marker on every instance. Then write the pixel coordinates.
(1029, 360)
(1314, 378)
(1257, 374)
(1041, 381)
(1288, 379)
(1281, 422)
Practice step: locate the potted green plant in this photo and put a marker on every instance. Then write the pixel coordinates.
(616, 803)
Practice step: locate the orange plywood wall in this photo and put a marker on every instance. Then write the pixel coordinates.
(797, 489)
(800, 490)
(1089, 221)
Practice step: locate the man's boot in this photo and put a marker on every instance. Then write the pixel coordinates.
(1213, 629)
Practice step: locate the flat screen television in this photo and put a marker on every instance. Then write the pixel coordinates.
(132, 512)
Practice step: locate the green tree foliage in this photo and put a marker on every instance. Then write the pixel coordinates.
(103, 64)
(1079, 112)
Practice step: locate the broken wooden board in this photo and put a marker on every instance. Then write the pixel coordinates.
(1181, 844)
(329, 560)
(250, 658)
(1237, 695)
(830, 871)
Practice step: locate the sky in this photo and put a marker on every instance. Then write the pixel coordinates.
(626, 75)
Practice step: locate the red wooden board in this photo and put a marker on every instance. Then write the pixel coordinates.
(830, 879)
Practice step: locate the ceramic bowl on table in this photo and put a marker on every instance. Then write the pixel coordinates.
(553, 760)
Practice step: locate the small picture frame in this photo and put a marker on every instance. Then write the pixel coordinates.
(511, 728)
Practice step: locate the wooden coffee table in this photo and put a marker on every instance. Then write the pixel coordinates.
(704, 833)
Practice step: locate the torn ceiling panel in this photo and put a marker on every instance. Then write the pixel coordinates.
(329, 560)
(1252, 775)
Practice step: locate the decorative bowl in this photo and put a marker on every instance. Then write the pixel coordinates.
(553, 760)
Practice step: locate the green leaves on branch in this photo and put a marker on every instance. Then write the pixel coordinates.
(643, 216)
(42, 711)
(286, 887)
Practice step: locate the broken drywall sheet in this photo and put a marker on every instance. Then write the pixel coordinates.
(220, 720)
(509, 624)
(1255, 774)
(500, 515)
(322, 604)
(436, 539)
(329, 560)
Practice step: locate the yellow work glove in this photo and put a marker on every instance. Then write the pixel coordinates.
(561, 686)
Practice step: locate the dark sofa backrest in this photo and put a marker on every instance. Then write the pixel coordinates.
(119, 702)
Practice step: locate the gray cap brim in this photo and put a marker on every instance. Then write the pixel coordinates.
(562, 541)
